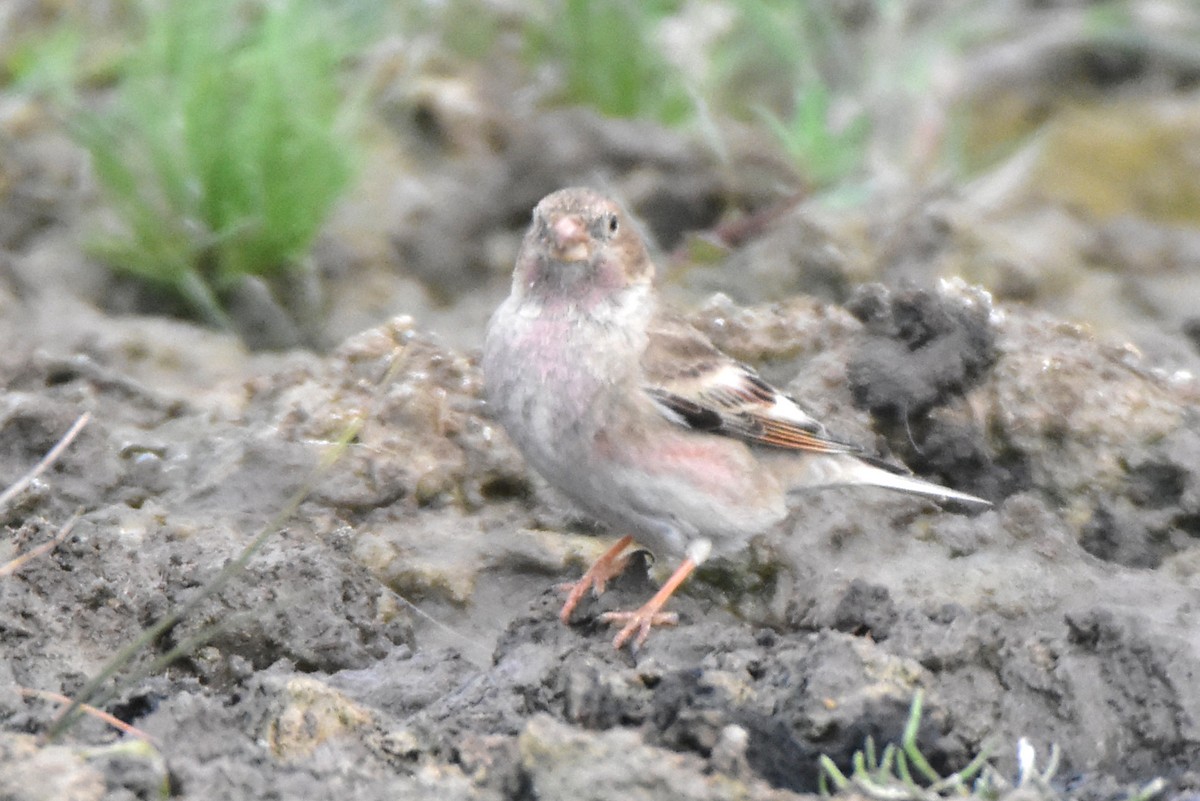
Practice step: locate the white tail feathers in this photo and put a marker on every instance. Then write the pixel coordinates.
(846, 470)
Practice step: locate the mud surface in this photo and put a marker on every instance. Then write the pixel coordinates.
(396, 635)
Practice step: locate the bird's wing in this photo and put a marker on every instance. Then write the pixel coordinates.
(694, 385)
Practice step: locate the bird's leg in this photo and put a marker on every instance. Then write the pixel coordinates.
(597, 576)
(651, 613)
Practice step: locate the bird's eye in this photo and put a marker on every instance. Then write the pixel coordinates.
(612, 224)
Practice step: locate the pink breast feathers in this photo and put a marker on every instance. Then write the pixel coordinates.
(712, 466)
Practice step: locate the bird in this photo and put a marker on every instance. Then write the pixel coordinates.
(634, 415)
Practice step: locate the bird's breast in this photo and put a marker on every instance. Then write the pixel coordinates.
(545, 378)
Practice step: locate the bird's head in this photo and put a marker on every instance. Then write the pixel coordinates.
(582, 246)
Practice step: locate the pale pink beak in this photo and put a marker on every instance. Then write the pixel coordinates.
(571, 238)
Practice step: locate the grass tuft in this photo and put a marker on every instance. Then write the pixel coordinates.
(890, 775)
(902, 773)
(609, 58)
(221, 149)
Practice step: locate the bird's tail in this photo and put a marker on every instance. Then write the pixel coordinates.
(847, 470)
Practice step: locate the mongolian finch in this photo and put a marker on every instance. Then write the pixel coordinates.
(637, 417)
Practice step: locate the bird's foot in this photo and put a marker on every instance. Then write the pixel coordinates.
(639, 622)
(607, 567)
(651, 614)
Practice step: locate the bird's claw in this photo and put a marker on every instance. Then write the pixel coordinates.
(640, 622)
(596, 578)
(575, 591)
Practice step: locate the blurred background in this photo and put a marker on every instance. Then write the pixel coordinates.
(294, 171)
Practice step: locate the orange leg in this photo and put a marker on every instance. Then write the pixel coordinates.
(651, 613)
(597, 576)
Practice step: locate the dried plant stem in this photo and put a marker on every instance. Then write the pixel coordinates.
(17, 563)
(50, 458)
(87, 709)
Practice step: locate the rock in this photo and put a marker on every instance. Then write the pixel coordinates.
(561, 761)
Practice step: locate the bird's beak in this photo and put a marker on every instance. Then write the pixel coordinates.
(570, 239)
